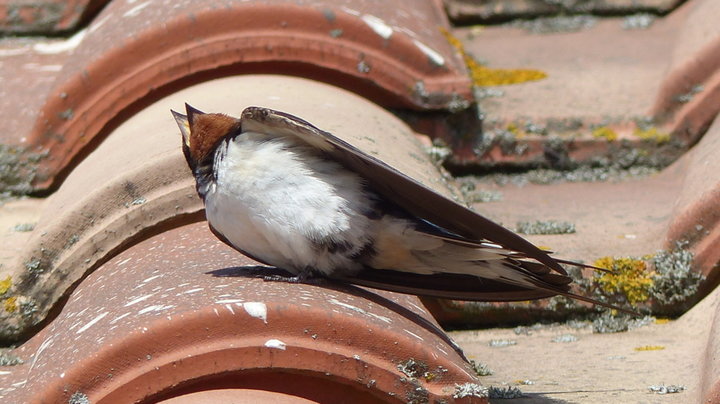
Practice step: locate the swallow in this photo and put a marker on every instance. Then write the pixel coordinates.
(289, 195)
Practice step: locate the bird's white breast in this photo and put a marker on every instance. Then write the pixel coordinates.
(276, 200)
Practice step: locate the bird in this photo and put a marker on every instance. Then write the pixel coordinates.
(290, 195)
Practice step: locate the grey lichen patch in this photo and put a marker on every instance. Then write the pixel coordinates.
(363, 67)
(413, 368)
(470, 390)
(561, 23)
(24, 227)
(501, 343)
(545, 227)
(439, 151)
(18, 168)
(79, 398)
(481, 369)
(34, 266)
(638, 21)
(8, 358)
(609, 323)
(66, 114)
(417, 395)
(137, 201)
(565, 338)
(484, 196)
(666, 389)
(687, 97)
(473, 195)
(507, 392)
(675, 282)
(335, 33)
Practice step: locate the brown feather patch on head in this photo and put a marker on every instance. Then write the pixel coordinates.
(207, 130)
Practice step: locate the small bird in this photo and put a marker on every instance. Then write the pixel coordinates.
(290, 195)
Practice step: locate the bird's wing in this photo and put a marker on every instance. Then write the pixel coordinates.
(457, 220)
(445, 219)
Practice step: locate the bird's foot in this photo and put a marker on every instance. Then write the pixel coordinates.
(303, 277)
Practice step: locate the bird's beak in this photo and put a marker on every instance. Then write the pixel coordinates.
(184, 124)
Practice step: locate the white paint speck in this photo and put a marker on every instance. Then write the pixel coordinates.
(191, 291)
(379, 26)
(414, 335)
(157, 307)
(257, 310)
(226, 301)
(60, 46)
(118, 318)
(361, 311)
(62, 375)
(230, 308)
(13, 52)
(151, 278)
(92, 322)
(434, 56)
(136, 10)
(275, 344)
(4, 372)
(138, 300)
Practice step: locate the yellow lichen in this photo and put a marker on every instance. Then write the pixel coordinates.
(607, 133)
(5, 285)
(650, 348)
(630, 278)
(485, 76)
(10, 304)
(652, 134)
(662, 320)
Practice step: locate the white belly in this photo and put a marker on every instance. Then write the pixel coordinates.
(278, 202)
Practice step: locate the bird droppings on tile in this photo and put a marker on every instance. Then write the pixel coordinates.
(275, 344)
(434, 57)
(379, 26)
(257, 310)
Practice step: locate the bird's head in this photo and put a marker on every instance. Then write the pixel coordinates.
(201, 133)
